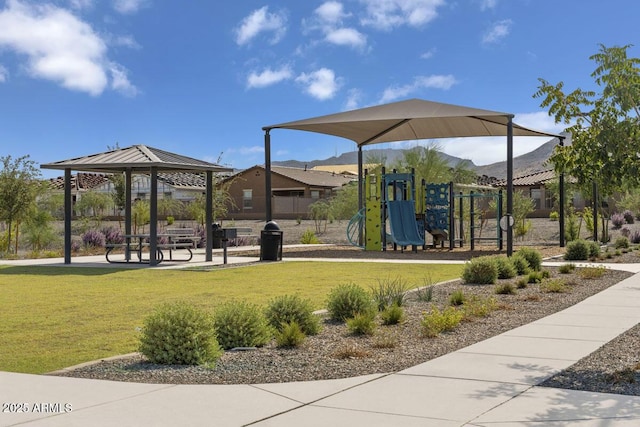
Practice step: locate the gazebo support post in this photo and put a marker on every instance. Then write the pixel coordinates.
(209, 217)
(509, 212)
(562, 202)
(127, 210)
(267, 175)
(153, 225)
(361, 181)
(67, 216)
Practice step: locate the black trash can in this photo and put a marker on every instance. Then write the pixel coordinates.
(218, 235)
(271, 242)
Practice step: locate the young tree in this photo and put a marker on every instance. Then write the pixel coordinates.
(604, 124)
(19, 186)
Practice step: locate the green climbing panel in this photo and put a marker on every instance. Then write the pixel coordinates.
(373, 222)
(437, 207)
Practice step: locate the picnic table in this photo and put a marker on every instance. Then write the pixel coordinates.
(171, 241)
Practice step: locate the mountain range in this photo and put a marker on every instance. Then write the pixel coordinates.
(525, 164)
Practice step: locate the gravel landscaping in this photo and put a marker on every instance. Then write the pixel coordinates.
(335, 353)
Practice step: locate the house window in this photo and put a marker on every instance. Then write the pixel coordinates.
(141, 196)
(536, 196)
(247, 199)
(315, 194)
(168, 195)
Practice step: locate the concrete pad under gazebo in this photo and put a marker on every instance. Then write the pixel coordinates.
(137, 159)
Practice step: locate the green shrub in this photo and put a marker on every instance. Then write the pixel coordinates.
(482, 270)
(592, 272)
(425, 293)
(290, 335)
(477, 306)
(505, 289)
(522, 282)
(578, 250)
(389, 292)
(535, 277)
(179, 334)
(520, 263)
(309, 238)
(241, 324)
(362, 323)
(347, 300)
(170, 220)
(436, 321)
(594, 249)
(554, 216)
(533, 257)
(506, 269)
(392, 315)
(621, 243)
(553, 286)
(566, 268)
(287, 309)
(457, 298)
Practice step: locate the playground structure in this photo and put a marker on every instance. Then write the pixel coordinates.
(413, 212)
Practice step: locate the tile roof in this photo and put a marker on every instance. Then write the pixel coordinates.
(316, 178)
(535, 178)
(80, 181)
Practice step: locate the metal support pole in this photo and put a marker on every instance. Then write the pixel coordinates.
(562, 203)
(594, 204)
(267, 175)
(68, 211)
(510, 185)
(472, 221)
(127, 211)
(209, 218)
(153, 224)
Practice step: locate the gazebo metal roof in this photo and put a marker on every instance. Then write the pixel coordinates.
(135, 160)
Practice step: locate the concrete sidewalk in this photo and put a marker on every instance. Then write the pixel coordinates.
(491, 383)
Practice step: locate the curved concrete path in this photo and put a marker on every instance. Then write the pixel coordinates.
(491, 383)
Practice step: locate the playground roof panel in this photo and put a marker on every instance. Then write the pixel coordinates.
(410, 120)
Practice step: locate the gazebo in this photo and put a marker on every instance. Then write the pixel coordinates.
(415, 119)
(137, 159)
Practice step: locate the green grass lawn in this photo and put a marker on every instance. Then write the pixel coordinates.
(53, 317)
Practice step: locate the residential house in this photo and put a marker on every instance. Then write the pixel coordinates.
(537, 186)
(179, 186)
(293, 190)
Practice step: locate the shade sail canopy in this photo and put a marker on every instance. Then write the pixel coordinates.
(409, 120)
(137, 158)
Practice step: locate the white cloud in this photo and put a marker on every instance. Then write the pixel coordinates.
(488, 4)
(443, 82)
(354, 97)
(4, 74)
(387, 14)
(260, 21)
(331, 12)
(321, 84)
(81, 4)
(428, 54)
(120, 82)
(127, 7)
(59, 47)
(347, 37)
(497, 32)
(269, 77)
(126, 41)
(329, 20)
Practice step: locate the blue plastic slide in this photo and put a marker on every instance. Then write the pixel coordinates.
(402, 219)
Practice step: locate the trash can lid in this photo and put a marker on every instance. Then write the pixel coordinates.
(271, 226)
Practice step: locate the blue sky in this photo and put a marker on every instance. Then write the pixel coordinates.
(202, 78)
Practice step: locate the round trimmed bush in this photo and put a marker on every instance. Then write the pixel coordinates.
(594, 249)
(481, 270)
(179, 334)
(506, 269)
(533, 257)
(577, 250)
(347, 300)
(241, 324)
(287, 309)
(520, 264)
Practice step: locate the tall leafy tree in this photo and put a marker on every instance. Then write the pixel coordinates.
(430, 165)
(19, 185)
(604, 124)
